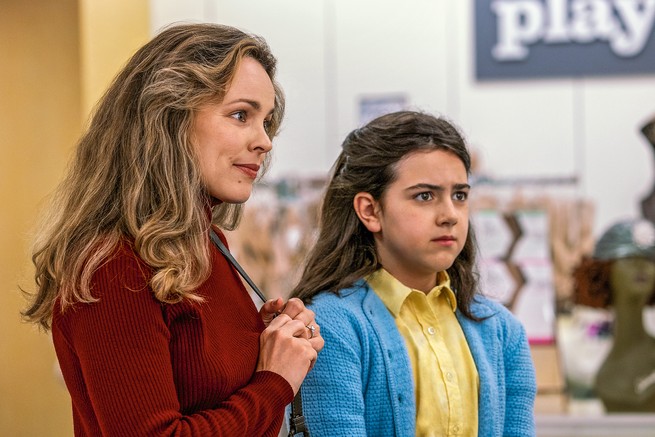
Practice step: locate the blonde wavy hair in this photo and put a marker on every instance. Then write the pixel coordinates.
(134, 178)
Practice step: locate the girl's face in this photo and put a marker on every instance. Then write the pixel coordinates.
(231, 137)
(423, 217)
(632, 280)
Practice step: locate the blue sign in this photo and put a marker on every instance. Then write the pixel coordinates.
(559, 38)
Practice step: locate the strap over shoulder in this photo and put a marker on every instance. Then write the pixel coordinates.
(297, 420)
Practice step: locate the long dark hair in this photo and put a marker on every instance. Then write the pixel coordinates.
(345, 249)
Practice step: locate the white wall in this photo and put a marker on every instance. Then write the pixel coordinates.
(332, 52)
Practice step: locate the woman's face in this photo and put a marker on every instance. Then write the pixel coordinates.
(632, 280)
(231, 137)
(423, 218)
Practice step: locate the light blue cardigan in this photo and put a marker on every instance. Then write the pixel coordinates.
(361, 384)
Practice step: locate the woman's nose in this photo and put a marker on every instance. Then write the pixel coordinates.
(262, 142)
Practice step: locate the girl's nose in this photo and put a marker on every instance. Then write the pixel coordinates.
(447, 214)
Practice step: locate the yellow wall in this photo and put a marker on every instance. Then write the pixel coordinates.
(111, 31)
(57, 58)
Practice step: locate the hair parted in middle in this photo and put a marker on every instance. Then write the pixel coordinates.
(135, 176)
(345, 249)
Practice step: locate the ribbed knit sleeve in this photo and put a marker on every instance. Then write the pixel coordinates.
(137, 367)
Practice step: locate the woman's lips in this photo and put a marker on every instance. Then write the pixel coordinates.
(249, 170)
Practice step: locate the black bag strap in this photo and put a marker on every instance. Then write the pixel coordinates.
(217, 241)
(297, 420)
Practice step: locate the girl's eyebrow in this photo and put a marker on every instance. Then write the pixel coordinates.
(438, 187)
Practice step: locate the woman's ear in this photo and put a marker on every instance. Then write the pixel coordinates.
(367, 209)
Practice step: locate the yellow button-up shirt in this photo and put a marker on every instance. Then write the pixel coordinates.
(445, 375)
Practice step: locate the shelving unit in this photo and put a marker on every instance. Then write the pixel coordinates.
(614, 425)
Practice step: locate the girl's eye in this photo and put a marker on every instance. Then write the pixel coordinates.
(240, 115)
(424, 197)
(267, 125)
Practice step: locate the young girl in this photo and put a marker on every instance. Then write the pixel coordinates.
(154, 331)
(412, 349)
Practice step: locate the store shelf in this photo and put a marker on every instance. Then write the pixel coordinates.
(615, 425)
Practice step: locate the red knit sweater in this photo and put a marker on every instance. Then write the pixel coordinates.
(137, 367)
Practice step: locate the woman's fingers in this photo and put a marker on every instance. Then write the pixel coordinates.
(296, 310)
(317, 341)
(283, 350)
(270, 310)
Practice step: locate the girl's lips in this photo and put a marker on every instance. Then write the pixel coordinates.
(446, 241)
(250, 170)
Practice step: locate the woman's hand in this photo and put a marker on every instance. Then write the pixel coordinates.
(294, 308)
(283, 349)
(271, 309)
(291, 341)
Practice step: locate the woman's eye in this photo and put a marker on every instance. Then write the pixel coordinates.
(240, 115)
(267, 125)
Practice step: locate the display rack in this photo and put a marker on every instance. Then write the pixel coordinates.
(614, 425)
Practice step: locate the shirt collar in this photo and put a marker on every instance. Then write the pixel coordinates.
(393, 293)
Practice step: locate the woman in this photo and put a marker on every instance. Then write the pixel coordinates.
(154, 331)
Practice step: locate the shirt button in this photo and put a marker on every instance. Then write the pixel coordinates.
(456, 428)
(449, 376)
(431, 330)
